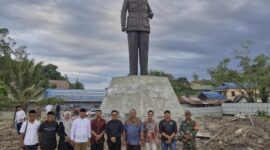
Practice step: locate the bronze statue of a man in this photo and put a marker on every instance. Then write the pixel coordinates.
(137, 27)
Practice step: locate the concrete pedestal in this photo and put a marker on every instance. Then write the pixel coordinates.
(142, 93)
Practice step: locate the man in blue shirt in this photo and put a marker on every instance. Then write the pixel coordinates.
(133, 131)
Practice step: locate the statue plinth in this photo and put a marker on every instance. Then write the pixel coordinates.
(142, 93)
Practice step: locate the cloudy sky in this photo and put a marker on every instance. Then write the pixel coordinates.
(83, 37)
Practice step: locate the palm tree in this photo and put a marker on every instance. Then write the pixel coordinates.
(26, 82)
(4, 100)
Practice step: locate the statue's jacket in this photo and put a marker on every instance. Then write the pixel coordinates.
(139, 13)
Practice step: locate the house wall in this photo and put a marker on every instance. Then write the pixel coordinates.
(246, 108)
(187, 105)
(205, 111)
(230, 109)
(228, 93)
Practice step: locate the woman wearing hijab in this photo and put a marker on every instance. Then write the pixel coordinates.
(64, 132)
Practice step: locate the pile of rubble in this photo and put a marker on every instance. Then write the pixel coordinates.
(235, 133)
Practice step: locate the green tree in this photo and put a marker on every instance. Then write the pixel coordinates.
(24, 79)
(3, 89)
(76, 85)
(50, 72)
(222, 73)
(261, 67)
(184, 81)
(160, 74)
(252, 73)
(195, 77)
(9, 54)
(180, 85)
(205, 82)
(4, 101)
(26, 83)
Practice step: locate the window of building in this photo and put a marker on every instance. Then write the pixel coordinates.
(233, 93)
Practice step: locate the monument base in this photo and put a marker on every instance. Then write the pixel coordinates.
(142, 93)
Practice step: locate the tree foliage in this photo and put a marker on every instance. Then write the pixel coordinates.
(76, 85)
(26, 83)
(252, 73)
(180, 85)
(50, 72)
(22, 79)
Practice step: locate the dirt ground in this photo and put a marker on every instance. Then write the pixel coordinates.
(235, 135)
(230, 135)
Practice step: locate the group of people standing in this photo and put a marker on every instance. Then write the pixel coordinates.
(79, 133)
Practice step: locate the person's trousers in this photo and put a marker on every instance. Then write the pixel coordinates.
(133, 147)
(187, 146)
(138, 43)
(57, 114)
(18, 126)
(171, 146)
(97, 146)
(30, 147)
(150, 146)
(65, 146)
(81, 146)
(114, 146)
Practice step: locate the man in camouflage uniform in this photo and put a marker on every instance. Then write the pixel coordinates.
(188, 131)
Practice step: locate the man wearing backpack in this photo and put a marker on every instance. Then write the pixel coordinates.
(29, 132)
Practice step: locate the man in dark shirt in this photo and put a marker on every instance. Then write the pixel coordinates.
(47, 133)
(98, 126)
(114, 130)
(58, 112)
(168, 131)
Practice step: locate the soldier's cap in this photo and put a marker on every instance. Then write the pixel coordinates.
(188, 112)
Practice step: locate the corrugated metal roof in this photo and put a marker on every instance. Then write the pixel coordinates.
(76, 95)
(227, 85)
(231, 85)
(202, 87)
(197, 101)
(212, 95)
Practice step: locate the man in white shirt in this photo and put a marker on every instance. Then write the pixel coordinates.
(19, 118)
(49, 108)
(29, 132)
(81, 131)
